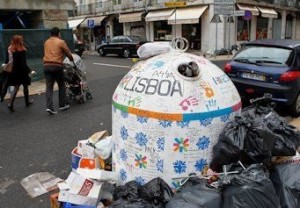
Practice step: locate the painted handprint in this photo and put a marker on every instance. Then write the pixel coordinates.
(187, 102)
(211, 105)
(208, 90)
(135, 102)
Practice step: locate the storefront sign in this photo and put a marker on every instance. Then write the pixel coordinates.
(239, 13)
(175, 4)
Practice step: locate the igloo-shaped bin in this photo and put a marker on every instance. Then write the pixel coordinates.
(164, 124)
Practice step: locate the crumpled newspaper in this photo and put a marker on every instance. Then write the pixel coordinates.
(40, 183)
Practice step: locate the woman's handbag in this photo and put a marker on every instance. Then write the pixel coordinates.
(8, 67)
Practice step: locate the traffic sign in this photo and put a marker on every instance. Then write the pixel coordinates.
(91, 23)
(175, 4)
(248, 15)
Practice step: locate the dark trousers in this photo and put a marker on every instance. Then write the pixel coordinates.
(15, 92)
(55, 74)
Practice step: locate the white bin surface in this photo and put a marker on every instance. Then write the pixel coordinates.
(165, 124)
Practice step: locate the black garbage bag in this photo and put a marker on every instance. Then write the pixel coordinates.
(154, 194)
(196, 195)
(248, 189)
(130, 191)
(286, 179)
(245, 139)
(156, 191)
(231, 142)
(259, 141)
(287, 137)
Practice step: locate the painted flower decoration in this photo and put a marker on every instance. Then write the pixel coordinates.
(225, 117)
(123, 175)
(140, 161)
(183, 124)
(165, 123)
(124, 133)
(206, 122)
(160, 165)
(203, 143)
(161, 143)
(142, 119)
(140, 181)
(123, 154)
(124, 114)
(200, 164)
(179, 166)
(181, 145)
(141, 139)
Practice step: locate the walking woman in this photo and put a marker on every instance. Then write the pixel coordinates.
(20, 72)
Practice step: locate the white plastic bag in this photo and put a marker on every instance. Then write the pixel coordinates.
(103, 148)
(148, 50)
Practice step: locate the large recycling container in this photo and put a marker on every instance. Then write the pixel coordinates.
(165, 123)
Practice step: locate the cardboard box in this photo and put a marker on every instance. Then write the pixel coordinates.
(79, 190)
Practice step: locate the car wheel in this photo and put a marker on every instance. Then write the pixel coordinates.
(296, 106)
(126, 53)
(101, 52)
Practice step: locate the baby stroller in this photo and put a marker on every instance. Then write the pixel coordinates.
(75, 80)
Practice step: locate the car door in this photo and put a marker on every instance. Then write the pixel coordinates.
(112, 45)
(121, 45)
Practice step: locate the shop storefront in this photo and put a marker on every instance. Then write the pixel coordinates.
(133, 24)
(160, 30)
(189, 22)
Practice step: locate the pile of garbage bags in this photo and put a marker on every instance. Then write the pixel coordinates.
(254, 137)
(242, 174)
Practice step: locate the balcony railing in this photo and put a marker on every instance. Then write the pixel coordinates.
(110, 6)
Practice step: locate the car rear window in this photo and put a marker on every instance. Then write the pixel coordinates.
(265, 55)
(137, 39)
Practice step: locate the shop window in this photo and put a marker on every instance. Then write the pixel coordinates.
(243, 28)
(117, 2)
(162, 31)
(98, 4)
(262, 28)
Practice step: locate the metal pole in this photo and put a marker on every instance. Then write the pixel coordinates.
(175, 23)
(215, 53)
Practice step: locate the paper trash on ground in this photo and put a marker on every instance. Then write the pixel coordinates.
(79, 190)
(40, 183)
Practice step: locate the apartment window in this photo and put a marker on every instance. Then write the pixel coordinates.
(98, 4)
(116, 2)
(138, 0)
(82, 1)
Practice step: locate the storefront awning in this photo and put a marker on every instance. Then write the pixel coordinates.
(74, 23)
(187, 15)
(97, 21)
(250, 8)
(131, 17)
(268, 12)
(159, 15)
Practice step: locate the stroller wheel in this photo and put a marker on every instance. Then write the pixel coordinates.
(89, 96)
(82, 99)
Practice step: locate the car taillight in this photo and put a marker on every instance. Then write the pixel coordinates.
(227, 68)
(289, 76)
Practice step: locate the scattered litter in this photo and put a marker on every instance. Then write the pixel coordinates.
(40, 183)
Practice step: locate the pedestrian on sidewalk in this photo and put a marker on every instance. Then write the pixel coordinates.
(54, 51)
(20, 71)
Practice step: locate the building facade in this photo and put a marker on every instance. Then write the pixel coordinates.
(35, 14)
(196, 21)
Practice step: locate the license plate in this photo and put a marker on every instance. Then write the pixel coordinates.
(254, 76)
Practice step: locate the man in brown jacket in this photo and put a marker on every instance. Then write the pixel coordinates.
(55, 49)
